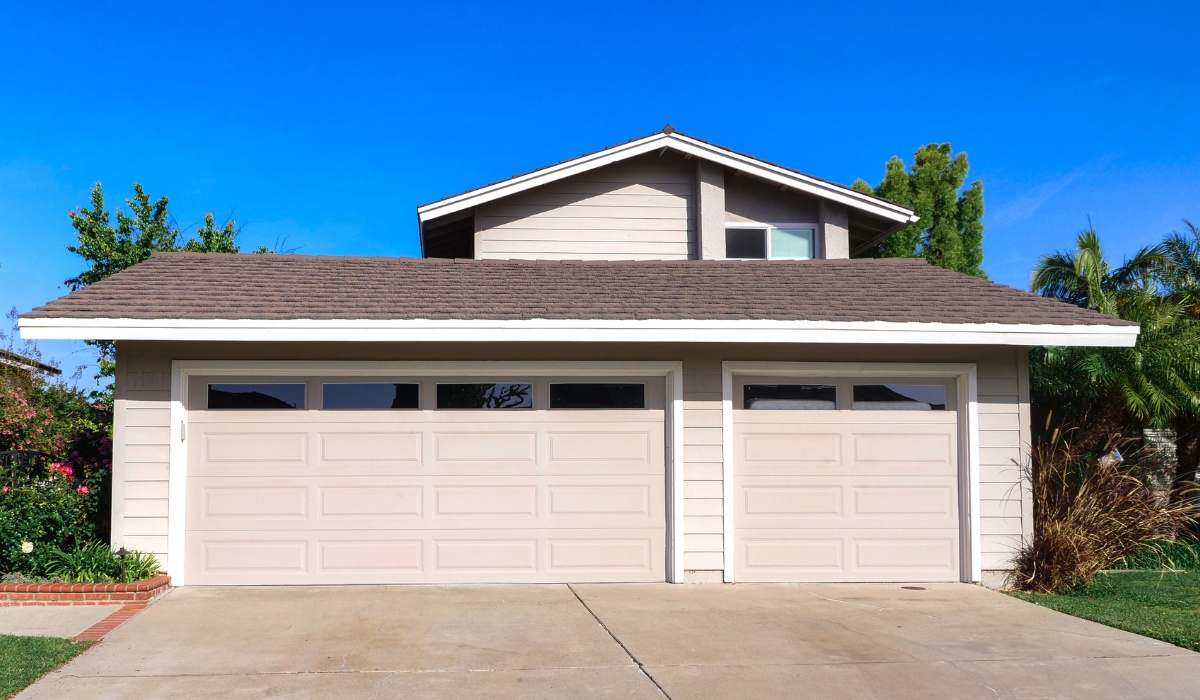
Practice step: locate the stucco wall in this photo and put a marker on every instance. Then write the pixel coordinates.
(142, 424)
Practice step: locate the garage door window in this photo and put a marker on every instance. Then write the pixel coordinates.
(802, 397)
(370, 396)
(484, 396)
(900, 397)
(597, 396)
(256, 396)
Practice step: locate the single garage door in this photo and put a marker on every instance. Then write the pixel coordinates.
(328, 480)
(845, 480)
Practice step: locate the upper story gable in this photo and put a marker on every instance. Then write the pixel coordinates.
(666, 196)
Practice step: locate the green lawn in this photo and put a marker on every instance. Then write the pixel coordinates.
(23, 660)
(1160, 604)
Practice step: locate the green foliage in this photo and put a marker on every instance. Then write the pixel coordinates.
(949, 233)
(1153, 383)
(96, 562)
(43, 516)
(1161, 605)
(1181, 555)
(146, 229)
(27, 659)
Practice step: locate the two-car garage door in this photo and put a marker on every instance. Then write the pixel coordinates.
(394, 480)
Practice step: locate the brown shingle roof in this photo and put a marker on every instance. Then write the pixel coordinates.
(245, 286)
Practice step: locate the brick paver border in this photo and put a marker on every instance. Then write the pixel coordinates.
(97, 631)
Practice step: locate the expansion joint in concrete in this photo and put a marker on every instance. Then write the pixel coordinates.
(621, 644)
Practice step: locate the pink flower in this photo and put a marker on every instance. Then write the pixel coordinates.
(5, 490)
(82, 490)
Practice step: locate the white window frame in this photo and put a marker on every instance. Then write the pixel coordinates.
(767, 228)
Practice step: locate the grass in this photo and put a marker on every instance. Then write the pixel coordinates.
(23, 660)
(1164, 605)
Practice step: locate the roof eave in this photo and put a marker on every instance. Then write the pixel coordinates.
(579, 330)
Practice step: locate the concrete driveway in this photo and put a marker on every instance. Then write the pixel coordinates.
(617, 641)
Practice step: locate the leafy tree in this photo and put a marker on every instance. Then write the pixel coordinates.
(949, 232)
(146, 229)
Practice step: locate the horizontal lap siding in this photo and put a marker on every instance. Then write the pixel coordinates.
(141, 452)
(639, 209)
(1004, 507)
(702, 487)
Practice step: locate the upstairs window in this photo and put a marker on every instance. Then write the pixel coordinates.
(770, 242)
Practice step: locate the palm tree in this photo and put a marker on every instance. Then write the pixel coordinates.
(1148, 385)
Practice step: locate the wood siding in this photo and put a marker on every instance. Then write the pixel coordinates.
(640, 209)
(142, 424)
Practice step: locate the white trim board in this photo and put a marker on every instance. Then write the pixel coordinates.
(578, 330)
(968, 411)
(181, 370)
(684, 144)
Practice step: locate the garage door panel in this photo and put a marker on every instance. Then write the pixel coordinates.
(241, 449)
(846, 555)
(402, 556)
(356, 449)
(333, 503)
(770, 449)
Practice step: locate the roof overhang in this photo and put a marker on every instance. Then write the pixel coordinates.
(577, 331)
(900, 216)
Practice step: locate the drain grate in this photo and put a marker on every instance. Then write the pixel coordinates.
(913, 588)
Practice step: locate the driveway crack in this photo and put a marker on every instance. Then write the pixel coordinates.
(634, 659)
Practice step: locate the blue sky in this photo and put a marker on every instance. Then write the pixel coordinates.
(323, 125)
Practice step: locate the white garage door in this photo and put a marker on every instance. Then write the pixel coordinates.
(395, 480)
(845, 480)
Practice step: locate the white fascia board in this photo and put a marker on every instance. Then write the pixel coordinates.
(699, 149)
(582, 331)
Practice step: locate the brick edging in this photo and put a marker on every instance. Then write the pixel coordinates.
(12, 594)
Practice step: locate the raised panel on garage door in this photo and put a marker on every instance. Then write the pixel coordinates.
(411, 496)
(834, 493)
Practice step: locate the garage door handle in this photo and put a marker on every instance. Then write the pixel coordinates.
(183, 431)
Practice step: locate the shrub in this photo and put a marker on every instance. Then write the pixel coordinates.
(95, 562)
(39, 516)
(1089, 513)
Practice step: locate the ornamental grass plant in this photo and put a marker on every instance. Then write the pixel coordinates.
(1090, 512)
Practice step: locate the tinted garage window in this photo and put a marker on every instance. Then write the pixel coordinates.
(597, 395)
(900, 397)
(369, 396)
(486, 396)
(256, 396)
(802, 397)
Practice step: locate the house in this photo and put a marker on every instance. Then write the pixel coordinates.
(658, 361)
(27, 366)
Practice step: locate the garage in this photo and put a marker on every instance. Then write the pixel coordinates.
(846, 479)
(425, 479)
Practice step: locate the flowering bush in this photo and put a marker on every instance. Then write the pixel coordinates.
(70, 504)
(39, 517)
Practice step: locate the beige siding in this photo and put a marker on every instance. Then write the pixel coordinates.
(643, 208)
(702, 464)
(143, 394)
(1003, 442)
(142, 426)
